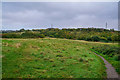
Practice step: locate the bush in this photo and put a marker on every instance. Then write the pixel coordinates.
(95, 38)
(11, 35)
(41, 35)
(109, 39)
(81, 38)
(30, 34)
(116, 58)
(115, 38)
(21, 30)
(107, 50)
(88, 39)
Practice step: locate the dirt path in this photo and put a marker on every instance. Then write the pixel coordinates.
(111, 73)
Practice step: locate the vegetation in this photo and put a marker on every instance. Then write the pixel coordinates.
(111, 53)
(49, 58)
(52, 55)
(88, 34)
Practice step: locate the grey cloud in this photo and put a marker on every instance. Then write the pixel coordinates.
(42, 14)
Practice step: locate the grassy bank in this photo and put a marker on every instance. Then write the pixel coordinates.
(110, 53)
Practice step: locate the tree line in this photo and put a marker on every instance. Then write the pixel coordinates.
(88, 34)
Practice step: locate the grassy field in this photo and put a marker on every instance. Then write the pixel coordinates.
(50, 58)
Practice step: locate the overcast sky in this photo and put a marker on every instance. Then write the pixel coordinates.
(36, 15)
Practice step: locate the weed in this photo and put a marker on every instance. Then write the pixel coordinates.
(59, 55)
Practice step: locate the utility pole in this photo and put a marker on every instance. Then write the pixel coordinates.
(106, 25)
(51, 25)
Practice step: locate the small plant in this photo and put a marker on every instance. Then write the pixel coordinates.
(70, 57)
(51, 60)
(41, 52)
(54, 65)
(46, 58)
(63, 49)
(59, 55)
(84, 55)
(77, 49)
(85, 61)
(62, 60)
(62, 68)
(80, 60)
(59, 51)
(91, 59)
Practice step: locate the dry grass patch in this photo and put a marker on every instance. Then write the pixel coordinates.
(18, 45)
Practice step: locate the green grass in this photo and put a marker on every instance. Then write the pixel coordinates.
(112, 58)
(49, 58)
(110, 51)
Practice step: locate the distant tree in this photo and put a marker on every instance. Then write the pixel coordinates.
(22, 30)
(89, 34)
(112, 30)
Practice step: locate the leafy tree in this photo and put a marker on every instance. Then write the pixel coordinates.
(22, 30)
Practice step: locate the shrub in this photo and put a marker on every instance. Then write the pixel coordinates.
(81, 38)
(80, 60)
(30, 34)
(59, 55)
(22, 30)
(88, 39)
(116, 58)
(115, 38)
(41, 35)
(11, 35)
(107, 50)
(95, 38)
(109, 39)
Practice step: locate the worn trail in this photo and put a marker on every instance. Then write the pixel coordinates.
(111, 73)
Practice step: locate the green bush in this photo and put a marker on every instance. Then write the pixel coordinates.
(41, 35)
(88, 39)
(29, 34)
(116, 58)
(109, 39)
(95, 38)
(11, 35)
(107, 50)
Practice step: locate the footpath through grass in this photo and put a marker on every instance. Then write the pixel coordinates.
(110, 51)
(49, 58)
